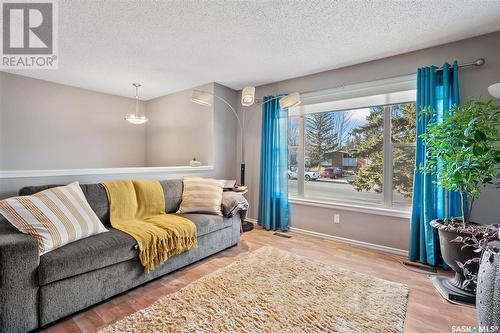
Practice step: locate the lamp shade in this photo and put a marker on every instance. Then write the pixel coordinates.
(494, 90)
(136, 120)
(290, 100)
(201, 97)
(248, 96)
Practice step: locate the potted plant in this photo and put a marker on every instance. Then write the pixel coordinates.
(463, 153)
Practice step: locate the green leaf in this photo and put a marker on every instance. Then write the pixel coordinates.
(479, 135)
(477, 150)
(470, 140)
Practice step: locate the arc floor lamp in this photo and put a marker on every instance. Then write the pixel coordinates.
(494, 90)
(205, 98)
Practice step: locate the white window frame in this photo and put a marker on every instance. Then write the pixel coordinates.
(386, 92)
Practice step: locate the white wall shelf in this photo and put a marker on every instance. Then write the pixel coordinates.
(102, 171)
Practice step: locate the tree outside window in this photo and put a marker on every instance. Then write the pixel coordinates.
(347, 148)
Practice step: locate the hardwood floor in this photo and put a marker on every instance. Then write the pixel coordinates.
(427, 311)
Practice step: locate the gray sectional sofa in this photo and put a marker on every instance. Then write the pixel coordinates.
(36, 291)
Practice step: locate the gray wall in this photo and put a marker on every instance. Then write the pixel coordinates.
(225, 129)
(179, 130)
(46, 125)
(386, 231)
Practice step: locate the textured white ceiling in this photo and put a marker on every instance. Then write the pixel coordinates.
(174, 45)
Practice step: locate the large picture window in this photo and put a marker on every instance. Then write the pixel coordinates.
(362, 156)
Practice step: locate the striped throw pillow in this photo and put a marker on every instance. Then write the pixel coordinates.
(202, 195)
(55, 217)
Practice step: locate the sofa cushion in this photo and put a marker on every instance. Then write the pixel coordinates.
(54, 217)
(94, 193)
(201, 195)
(98, 199)
(86, 255)
(206, 224)
(106, 249)
(172, 189)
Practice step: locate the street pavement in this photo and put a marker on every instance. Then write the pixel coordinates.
(338, 190)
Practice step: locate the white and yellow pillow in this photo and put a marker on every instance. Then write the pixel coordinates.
(55, 217)
(201, 195)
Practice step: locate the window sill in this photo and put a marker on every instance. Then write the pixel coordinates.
(351, 207)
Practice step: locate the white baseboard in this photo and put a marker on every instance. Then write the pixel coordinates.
(371, 246)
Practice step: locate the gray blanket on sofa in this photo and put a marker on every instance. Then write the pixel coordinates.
(233, 202)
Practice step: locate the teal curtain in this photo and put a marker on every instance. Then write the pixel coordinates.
(273, 192)
(438, 89)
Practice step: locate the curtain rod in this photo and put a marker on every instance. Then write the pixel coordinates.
(476, 63)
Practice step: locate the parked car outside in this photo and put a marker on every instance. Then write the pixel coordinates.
(332, 173)
(312, 175)
(308, 175)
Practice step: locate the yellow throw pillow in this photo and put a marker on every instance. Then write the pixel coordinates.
(202, 195)
(54, 217)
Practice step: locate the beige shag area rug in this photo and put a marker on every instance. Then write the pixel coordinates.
(270, 290)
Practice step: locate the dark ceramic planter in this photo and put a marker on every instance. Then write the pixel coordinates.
(455, 289)
(488, 288)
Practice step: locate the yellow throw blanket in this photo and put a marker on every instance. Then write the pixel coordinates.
(137, 207)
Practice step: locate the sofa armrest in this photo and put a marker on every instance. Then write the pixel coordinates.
(235, 228)
(18, 280)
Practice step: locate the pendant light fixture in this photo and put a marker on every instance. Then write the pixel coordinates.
(136, 118)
